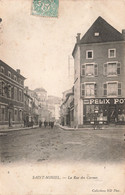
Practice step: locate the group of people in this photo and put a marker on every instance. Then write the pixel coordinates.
(45, 123)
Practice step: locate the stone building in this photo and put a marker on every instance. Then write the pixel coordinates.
(31, 107)
(53, 104)
(11, 96)
(99, 75)
(67, 108)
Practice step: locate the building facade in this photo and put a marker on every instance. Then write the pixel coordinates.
(31, 107)
(11, 96)
(99, 75)
(54, 103)
(67, 108)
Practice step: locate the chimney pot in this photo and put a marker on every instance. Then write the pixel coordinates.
(78, 37)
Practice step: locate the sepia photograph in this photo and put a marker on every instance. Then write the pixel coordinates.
(62, 97)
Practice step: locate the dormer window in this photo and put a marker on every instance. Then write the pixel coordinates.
(89, 54)
(96, 34)
(9, 74)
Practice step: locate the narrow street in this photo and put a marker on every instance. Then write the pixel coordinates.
(55, 145)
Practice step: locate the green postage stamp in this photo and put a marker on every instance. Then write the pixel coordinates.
(46, 8)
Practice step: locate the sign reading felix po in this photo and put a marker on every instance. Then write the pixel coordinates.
(104, 101)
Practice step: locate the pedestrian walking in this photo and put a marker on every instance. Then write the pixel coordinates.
(52, 124)
(32, 123)
(40, 123)
(45, 123)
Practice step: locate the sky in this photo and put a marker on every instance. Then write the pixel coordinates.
(40, 46)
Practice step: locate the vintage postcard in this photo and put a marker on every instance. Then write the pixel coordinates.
(62, 97)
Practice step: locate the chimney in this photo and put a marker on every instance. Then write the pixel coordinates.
(123, 33)
(18, 71)
(78, 38)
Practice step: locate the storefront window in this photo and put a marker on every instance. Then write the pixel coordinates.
(121, 113)
(95, 113)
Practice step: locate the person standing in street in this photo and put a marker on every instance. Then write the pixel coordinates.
(45, 123)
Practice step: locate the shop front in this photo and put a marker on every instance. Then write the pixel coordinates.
(104, 111)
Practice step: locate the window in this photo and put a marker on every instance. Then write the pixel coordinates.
(3, 88)
(89, 70)
(20, 95)
(12, 92)
(2, 69)
(15, 93)
(15, 115)
(88, 89)
(9, 91)
(89, 54)
(20, 115)
(9, 74)
(96, 34)
(15, 77)
(2, 113)
(112, 89)
(111, 69)
(112, 53)
(20, 81)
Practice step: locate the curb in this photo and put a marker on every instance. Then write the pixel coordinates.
(90, 128)
(24, 128)
(67, 129)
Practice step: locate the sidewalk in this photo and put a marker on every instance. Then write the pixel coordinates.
(17, 129)
(107, 127)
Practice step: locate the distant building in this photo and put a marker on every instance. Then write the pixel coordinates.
(67, 108)
(11, 96)
(43, 110)
(31, 107)
(54, 103)
(42, 95)
(99, 75)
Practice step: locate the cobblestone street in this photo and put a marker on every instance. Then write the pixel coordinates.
(57, 145)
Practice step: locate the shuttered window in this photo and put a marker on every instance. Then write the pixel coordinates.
(88, 89)
(89, 70)
(111, 69)
(112, 89)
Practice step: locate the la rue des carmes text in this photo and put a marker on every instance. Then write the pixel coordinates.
(68, 177)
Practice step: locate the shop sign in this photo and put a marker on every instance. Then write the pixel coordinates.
(104, 101)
